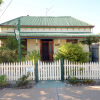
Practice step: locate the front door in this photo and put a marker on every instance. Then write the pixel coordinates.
(47, 50)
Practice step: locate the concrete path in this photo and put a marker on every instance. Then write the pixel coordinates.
(50, 90)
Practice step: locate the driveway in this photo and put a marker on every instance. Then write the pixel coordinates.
(52, 90)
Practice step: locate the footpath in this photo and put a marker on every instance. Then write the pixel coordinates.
(52, 90)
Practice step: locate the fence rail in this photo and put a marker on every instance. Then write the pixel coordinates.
(51, 70)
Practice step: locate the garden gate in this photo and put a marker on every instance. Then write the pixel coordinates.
(49, 70)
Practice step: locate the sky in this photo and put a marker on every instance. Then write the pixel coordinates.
(85, 10)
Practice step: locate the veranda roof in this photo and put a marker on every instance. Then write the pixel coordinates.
(52, 35)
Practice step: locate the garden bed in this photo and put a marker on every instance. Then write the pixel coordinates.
(73, 81)
(13, 84)
(23, 83)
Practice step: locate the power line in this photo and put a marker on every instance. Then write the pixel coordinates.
(6, 8)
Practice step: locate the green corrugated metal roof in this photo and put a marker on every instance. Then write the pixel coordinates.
(47, 21)
(6, 34)
(67, 34)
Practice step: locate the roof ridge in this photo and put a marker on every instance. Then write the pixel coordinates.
(46, 16)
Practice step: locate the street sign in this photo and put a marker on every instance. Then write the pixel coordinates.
(17, 34)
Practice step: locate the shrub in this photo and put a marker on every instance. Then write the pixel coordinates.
(9, 50)
(7, 55)
(73, 80)
(87, 81)
(34, 55)
(23, 81)
(3, 80)
(72, 52)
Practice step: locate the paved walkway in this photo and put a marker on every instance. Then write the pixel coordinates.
(52, 90)
(50, 84)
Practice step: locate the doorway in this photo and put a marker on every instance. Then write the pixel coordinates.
(46, 50)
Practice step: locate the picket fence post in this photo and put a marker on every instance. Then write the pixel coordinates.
(36, 72)
(62, 69)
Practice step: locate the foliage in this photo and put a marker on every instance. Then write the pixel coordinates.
(11, 43)
(90, 40)
(87, 81)
(34, 55)
(1, 1)
(3, 80)
(23, 81)
(9, 50)
(72, 52)
(7, 55)
(74, 80)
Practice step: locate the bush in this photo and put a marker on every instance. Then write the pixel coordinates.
(73, 80)
(3, 80)
(34, 55)
(87, 81)
(23, 81)
(9, 50)
(7, 55)
(72, 52)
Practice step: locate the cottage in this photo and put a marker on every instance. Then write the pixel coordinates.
(46, 33)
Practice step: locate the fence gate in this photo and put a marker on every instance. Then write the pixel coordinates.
(49, 71)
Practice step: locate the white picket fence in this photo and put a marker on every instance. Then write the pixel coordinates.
(50, 70)
(82, 71)
(14, 71)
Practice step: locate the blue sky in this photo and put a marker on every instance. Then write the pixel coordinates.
(85, 10)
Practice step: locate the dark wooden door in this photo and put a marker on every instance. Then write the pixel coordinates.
(50, 50)
(47, 50)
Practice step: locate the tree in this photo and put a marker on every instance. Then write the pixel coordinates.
(11, 43)
(72, 52)
(89, 41)
(1, 1)
(7, 55)
(9, 50)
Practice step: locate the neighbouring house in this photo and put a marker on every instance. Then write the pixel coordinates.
(46, 33)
